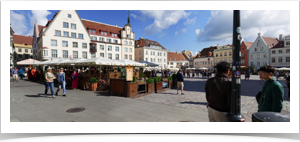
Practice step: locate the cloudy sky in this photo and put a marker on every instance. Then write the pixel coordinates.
(175, 30)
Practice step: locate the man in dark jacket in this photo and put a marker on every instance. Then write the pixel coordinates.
(218, 93)
(180, 81)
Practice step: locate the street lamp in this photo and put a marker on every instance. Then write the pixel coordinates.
(235, 110)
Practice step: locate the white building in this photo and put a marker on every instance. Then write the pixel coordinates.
(151, 51)
(177, 60)
(280, 53)
(69, 36)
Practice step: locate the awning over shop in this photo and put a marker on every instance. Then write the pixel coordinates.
(27, 62)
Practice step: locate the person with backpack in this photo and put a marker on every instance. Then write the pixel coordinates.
(218, 93)
(61, 81)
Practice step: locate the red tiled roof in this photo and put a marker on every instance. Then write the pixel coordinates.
(279, 45)
(248, 44)
(143, 42)
(205, 51)
(174, 55)
(19, 39)
(40, 28)
(99, 27)
(270, 41)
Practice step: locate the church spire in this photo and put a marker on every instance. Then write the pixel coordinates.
(128, 18)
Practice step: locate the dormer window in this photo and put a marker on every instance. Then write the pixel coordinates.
(170, 58)
(92, 31)
(174, 59)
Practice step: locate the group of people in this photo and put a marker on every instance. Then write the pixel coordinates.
(205, 74)
(218, 91)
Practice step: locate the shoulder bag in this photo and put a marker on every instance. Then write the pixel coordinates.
(258, 96)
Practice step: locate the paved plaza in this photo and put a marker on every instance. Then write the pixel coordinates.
(28, 104)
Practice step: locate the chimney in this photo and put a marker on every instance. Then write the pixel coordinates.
(170, 50)
(141, 37)
(116, 25)
(280, 37)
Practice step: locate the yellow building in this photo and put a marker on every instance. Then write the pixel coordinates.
(223, 53)
(23, 47)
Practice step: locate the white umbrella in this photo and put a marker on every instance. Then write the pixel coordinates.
(42, 63)
(203, 68)
(117, 63)
(58, 62)
(283, 68)
(132, 63)
(96, 61)
(28, 62)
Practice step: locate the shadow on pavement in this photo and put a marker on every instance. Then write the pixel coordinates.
(194, 103)
(35, 96)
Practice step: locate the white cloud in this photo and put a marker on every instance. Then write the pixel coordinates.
(163, 19)
(17, 22)
(133, 15)
(40, 16)
(176, 33)
(184, 30)
(190, 21)
(271, 22)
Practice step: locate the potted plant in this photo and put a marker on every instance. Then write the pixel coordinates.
(150, 86)
(158, 84)
(143, 76)
(170, 82)
(93, 84)
(174, 77)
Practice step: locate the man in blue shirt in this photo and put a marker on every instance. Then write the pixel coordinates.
(14, 73)
(180, 81)
(21, 71)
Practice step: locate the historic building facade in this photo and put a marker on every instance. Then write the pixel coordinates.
(206, 61)
(177, 60)
(280, 53)
(23, 47)
(223, 53)
(244, 52)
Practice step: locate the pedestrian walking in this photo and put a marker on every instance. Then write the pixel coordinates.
(271, 96)
(14, 74)
(287, 82)
(184, 73)
(204, 74)
(21, 72)
(75, 78)
(277, 76)
(49, 77)
(207, 74)
(180, 81)
(61, 81)
(245, 73)
(193, 74)
(34, 74)
(218, 93)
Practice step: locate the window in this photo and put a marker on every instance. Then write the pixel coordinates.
(280, 51)
(130, 50)
(216, 61)
(75, 54)
(20, 56)
(54, 53)
(115, 41)
(243, 54)
(216, 54)
(128, 36)
(57, 33)
(146, 52)
(45, 52)
(93, 55)
(220, 54)
(109, 48)
(265, 63)
(130, 57)
(258, 63)
(109, 56)
(75, 44)
(101, 47)
(229, 53)
(84, 55)
(31, 51)
(66, 34)
(26, 50)
(147, 59)
(287, 59)
(103, 33)
(66, 25)
(164, 54)
(140, 59)
(279, 59)
(153, 52)
(153, 59)
(92, 31)
(80, 36)
(252, 57)
(69, 15)
(258, 56)
(73, 26)
(164, 60)
(288, 43)
(109, 40)
(225, 54)
(125, 42)
(65, 54)
(255, 49)
(273, 60)
(126, 56)
(117, 48)
(140, 52)
(130, 43)
(125, 49)
(73, 35)
(102, 55)
(94, 38)
(65, 43)
(19, 50)
(26, 56)
(261, 48)
(252, 64)
(53, 43)
(117, 56)
(265, 56)
(84, 45)
(287, 51)
(273, 51)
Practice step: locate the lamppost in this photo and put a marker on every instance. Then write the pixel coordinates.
(235, 110)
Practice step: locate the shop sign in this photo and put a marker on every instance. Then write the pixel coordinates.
(129, 73)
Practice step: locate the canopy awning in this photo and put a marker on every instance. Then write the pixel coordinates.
(282, 69)
(28, 62)
(96, 61)
(148, 63)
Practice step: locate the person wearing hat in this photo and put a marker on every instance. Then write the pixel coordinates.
(61, 81)
(49, 76)
(271, 96)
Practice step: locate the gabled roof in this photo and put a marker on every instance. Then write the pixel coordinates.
(40, 28)
(19, 39)
(110, 29)
(205, 51)
(147, 43)
(177, 57)
(270, 41)
(248, 44)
